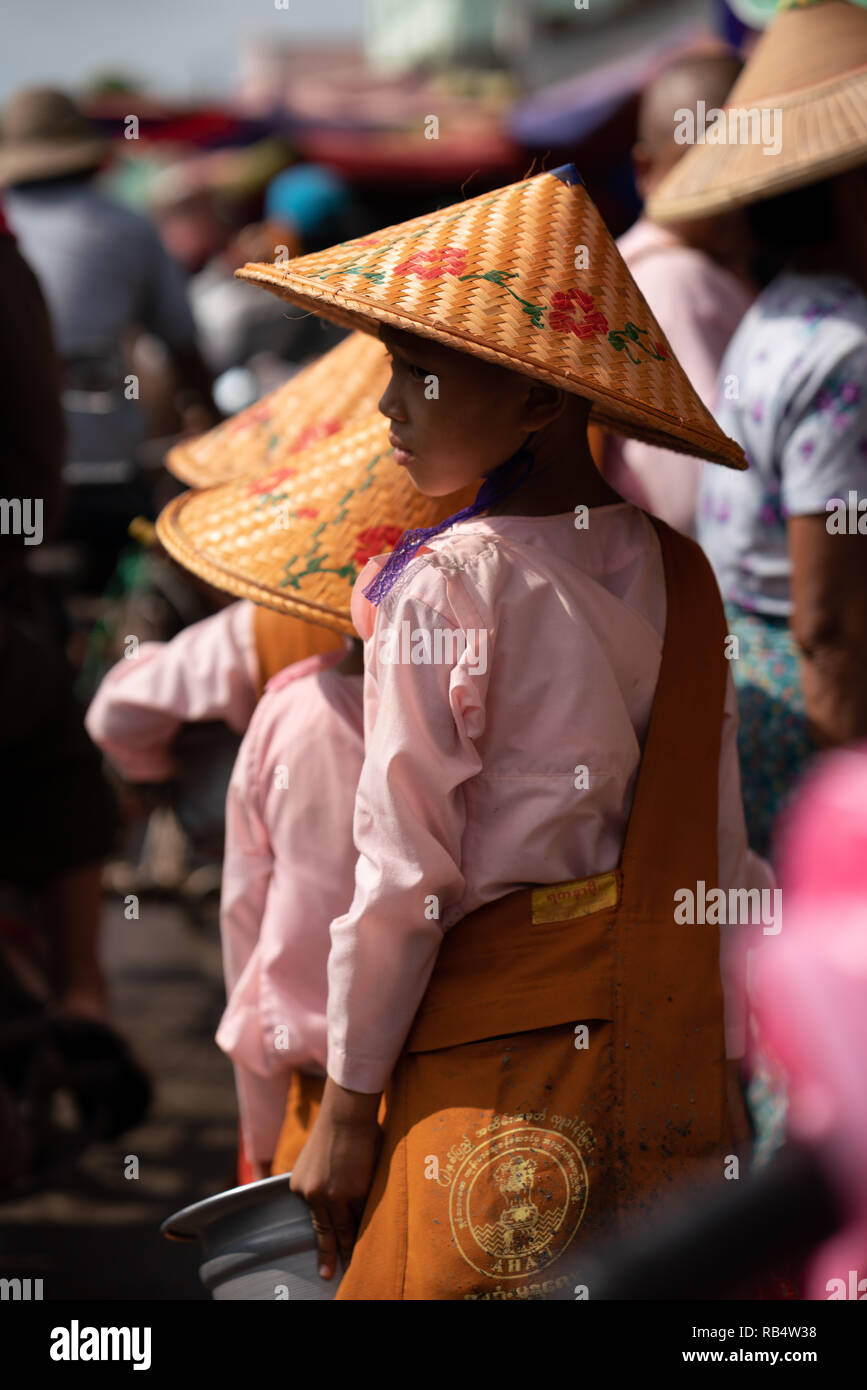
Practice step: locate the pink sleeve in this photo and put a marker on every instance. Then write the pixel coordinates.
(697, 308)
(408, 829)
(247, 878)
(261, 1108)
(738, 867)
(208, 671)
(248, 859)
(697, 316)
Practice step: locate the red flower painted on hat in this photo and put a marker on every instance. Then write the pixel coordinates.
(271, 480)
(661, 352)
(313, 433)
(563, 320)
(430, 265)
(375, 540)
(306, 513)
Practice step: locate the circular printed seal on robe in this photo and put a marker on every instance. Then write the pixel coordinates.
(517, 1201)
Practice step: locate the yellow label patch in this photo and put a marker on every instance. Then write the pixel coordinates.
(561, 902)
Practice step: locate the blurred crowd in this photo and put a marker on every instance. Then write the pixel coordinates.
(123, 331)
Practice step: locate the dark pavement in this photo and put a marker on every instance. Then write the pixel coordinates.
(95, 1234)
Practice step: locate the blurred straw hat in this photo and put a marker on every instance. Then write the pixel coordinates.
(43, 135)
(496, 276)
(341, 386)
(811, 65)
(296, 537)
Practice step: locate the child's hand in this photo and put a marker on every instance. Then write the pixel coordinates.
(334, 1170)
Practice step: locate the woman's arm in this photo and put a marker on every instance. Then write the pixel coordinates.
(823, 460)
(829, 624)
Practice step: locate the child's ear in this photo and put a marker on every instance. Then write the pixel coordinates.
(543, 404)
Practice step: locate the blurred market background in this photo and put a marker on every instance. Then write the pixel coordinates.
(226, 122)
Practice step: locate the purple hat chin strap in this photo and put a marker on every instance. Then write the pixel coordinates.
(499, 484)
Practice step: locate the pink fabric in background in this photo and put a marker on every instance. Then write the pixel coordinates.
(811, 999)
(698, 306)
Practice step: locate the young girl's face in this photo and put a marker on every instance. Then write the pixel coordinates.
(455, 417)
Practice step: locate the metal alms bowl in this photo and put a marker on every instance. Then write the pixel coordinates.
(258, 1243)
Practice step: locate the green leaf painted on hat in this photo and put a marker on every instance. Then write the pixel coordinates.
(369, 471)
(618, 340)
(499, 277)
(315, 566)
(376, 277)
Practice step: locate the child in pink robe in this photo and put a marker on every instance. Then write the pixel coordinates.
(494, 777)
(289, 858)
(480, 774)
(288, 869)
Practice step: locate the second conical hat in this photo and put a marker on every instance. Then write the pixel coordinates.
(807, 81)
(341, 386)
(527, 277)
(295, 538)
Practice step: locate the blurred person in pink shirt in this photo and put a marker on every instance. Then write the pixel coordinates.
(695, 279)
(288, 870)
(283, 875)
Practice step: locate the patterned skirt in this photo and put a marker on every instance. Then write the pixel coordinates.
(773, 742)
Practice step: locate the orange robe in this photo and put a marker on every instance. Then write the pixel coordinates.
(302, 1107)
(281, 640)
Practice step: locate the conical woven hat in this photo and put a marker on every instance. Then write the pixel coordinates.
(296, 539)
(341, 386)
(498, 277)
(811, 66)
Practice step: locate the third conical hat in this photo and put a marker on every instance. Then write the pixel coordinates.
(341, 386)
(295, 538)
(807, 79)
(527, 277)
